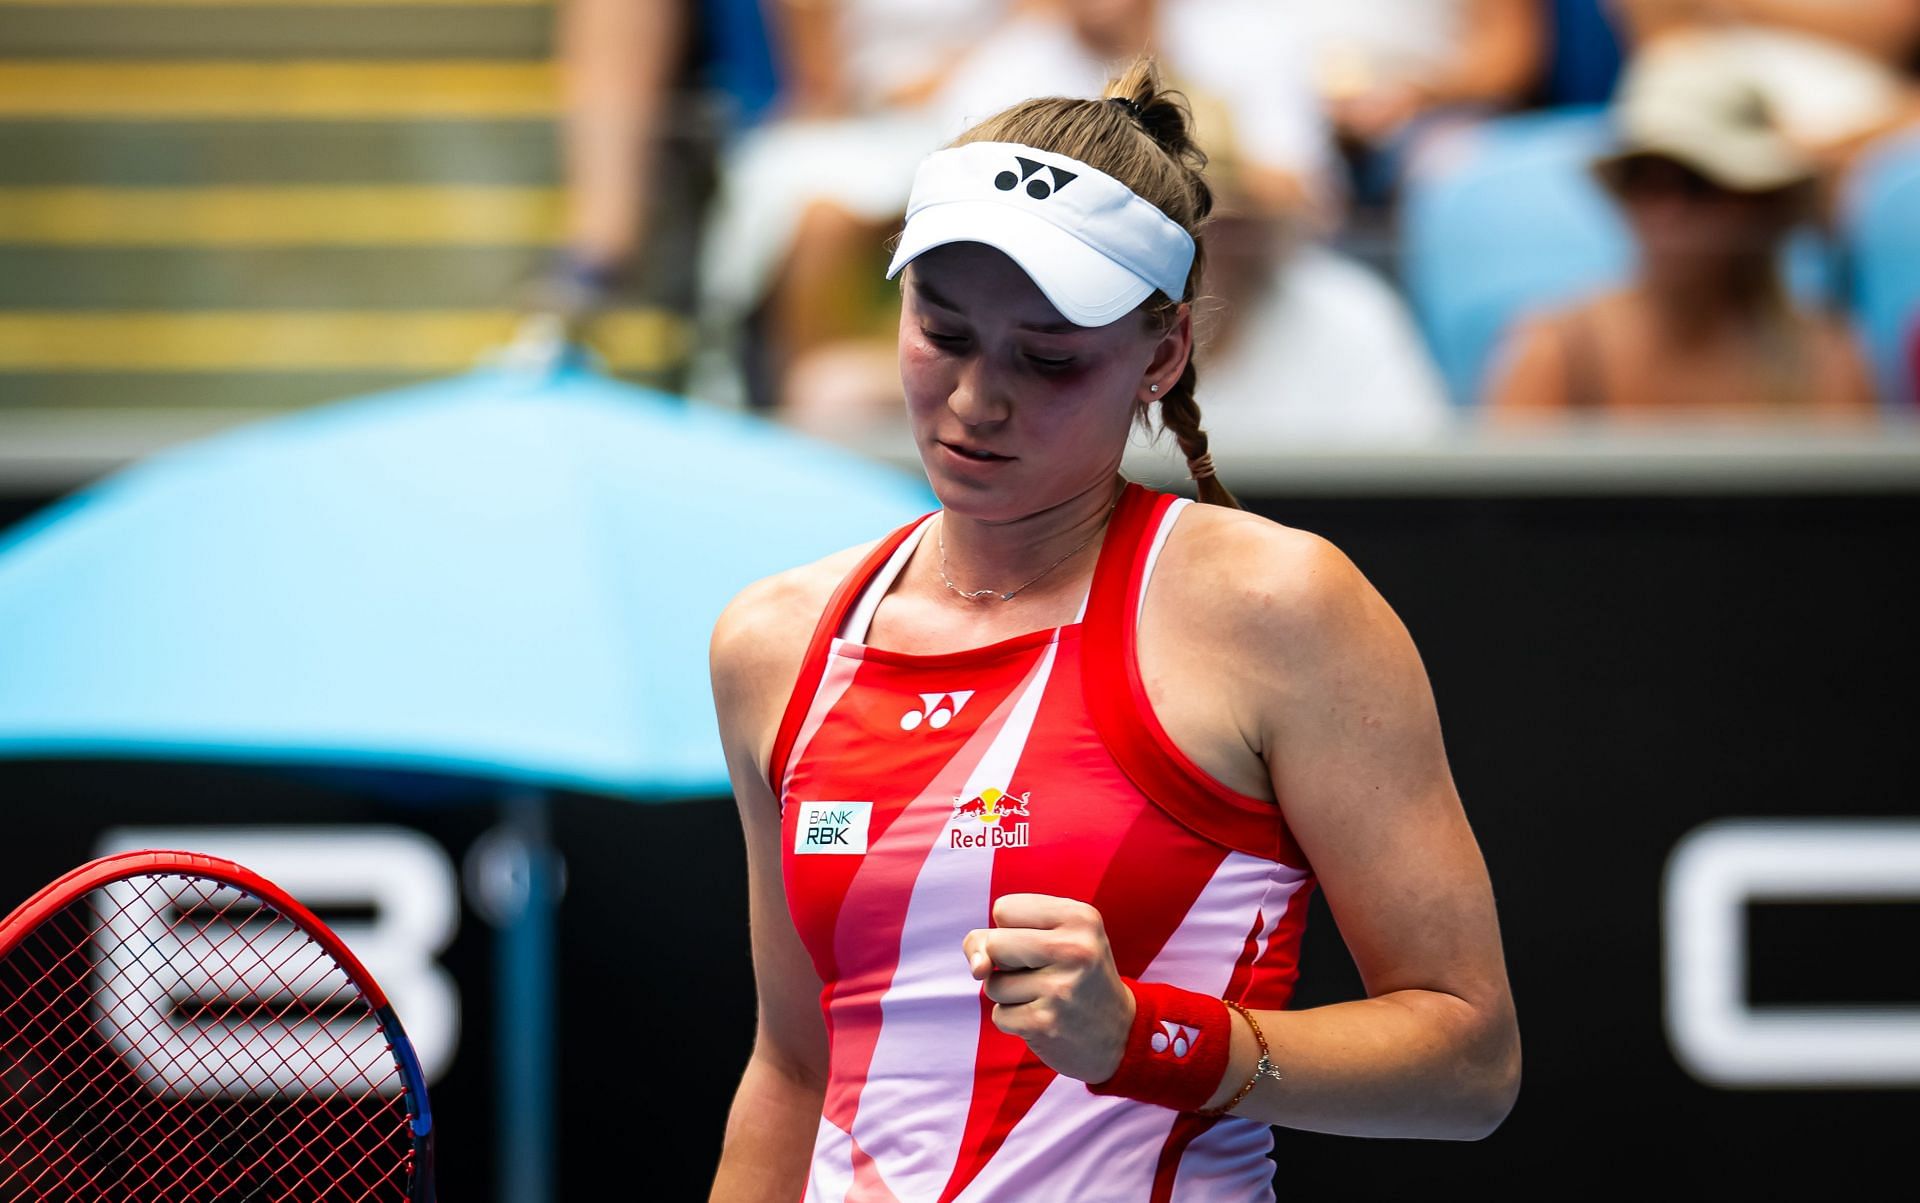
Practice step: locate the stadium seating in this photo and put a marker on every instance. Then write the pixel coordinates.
(1514, 225)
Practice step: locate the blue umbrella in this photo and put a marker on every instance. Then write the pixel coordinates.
(510, 576)
(507, 574)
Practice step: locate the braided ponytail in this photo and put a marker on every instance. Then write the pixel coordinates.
(1141, 134)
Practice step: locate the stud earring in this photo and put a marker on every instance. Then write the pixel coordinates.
(1153, 388)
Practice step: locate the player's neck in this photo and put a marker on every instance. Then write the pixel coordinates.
(1006, 556)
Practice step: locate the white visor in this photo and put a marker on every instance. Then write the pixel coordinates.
(1094, 248)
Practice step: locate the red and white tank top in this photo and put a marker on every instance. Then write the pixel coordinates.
(916, 789)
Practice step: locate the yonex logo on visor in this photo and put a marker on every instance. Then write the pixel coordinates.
(1097, 250)
(1007, 181)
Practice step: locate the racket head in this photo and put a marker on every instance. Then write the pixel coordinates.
(173, 1026)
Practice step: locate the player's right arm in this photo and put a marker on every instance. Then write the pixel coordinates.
(754, 657)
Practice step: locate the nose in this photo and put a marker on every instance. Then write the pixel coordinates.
(976, 399)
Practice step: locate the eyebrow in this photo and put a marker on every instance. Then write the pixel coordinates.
(934, 296)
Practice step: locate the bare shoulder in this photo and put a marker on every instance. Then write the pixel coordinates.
(757, 647)
(762, 634)
(1261, 583)
(1320, 675)
(1242, 618)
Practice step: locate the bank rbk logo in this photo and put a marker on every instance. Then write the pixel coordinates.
(936, 710)
(832, 828)
(1038, 187)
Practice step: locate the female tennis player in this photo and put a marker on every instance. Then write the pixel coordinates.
(1036, 788)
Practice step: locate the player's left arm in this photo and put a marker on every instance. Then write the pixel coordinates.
(1345, 718)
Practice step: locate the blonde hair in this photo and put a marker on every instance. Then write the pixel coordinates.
(1141, 134)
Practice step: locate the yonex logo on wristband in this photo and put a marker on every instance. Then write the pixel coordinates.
(1165, 1061)
(1176, 1038)
(1007, 181)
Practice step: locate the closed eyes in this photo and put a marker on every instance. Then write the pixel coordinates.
(955, 341)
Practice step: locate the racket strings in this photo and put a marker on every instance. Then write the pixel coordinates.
(235, 1131)
(67, 1075)
(112, 1098)
(176, 1040)
(121, 1105)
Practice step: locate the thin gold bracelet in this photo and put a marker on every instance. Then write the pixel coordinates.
(1264, 1068)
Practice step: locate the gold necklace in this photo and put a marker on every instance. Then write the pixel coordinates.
(1008, 596)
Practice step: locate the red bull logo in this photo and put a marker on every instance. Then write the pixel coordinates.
(990, 806)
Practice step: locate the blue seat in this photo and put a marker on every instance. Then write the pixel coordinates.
(735, 57)
(1515, 223)
(1880, 223)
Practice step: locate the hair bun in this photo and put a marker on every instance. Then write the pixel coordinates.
(1163, 115)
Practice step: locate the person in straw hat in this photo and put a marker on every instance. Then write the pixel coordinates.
(1710, 188)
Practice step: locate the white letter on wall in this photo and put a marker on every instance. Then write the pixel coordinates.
(1714, 872)
(402, 875)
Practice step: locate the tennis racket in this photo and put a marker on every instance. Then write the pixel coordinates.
(176, 1029)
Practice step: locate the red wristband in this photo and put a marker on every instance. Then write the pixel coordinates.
(1176, 1050)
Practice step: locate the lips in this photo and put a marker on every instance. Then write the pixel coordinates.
(974, 453)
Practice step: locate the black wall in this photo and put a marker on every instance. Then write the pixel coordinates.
(1611, 673)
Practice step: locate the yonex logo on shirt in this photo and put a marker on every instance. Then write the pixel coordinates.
(936, 710)
(832, 828)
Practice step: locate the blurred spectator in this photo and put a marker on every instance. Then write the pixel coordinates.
(1294, 339)
(1837, 73)
(620, 59)
(649, 88)
(1323, 351)
(1296, 342)
(806, 199)
(1887, 30)
(1710, 188)
(1237, 61)
(1395, 72)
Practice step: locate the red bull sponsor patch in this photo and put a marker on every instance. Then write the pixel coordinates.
(992, 808)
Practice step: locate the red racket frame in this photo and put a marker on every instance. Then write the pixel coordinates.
(71, 887)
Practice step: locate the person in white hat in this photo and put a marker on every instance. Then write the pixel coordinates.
(1036, 788)
(1837, 73)
(1711, 188)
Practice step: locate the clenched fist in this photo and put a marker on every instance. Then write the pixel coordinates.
(1050, 973)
